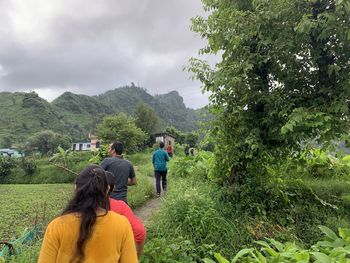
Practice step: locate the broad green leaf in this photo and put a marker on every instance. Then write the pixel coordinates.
(241, 253)
(220, 258)
(329, 233)
(344, 233)
(302, 256)
(321, 258)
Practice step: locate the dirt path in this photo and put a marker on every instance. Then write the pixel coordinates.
(151, 207)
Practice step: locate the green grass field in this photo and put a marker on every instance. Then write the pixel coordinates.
(20, 205)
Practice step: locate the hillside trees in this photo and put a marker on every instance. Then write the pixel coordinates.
(122, 128)
(283, 77)
(47, 142)
(146, 118)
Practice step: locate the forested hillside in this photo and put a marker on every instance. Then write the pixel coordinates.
(23, 114)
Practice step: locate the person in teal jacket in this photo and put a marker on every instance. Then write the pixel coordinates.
(159, 159)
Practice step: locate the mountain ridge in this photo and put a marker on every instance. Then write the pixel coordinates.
(76, 115)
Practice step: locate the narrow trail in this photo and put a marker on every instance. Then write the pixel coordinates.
(151, 207)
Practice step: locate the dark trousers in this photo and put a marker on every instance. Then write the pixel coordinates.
(159, 175)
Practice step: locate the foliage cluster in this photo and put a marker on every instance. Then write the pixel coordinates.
(6, 164)
(282, 78)
(146, 118)
(46, 142)
(29, 170)
(332, 248)
(160, 250)
(28, 165)
(122, 128)
(198, 165)
(287, 205)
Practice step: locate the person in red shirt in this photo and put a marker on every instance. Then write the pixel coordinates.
(169, 149)
(121, 208)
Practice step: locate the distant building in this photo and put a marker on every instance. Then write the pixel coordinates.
(95, 142)
(164, 137)
(11, 152)
(81, 146)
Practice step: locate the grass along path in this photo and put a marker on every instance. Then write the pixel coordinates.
(151, 207)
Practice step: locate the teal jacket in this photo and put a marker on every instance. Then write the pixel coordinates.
(159, 159)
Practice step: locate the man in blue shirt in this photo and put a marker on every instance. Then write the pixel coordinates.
(159, 159)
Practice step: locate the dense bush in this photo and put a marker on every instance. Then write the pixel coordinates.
(6, 165)
(47, 142)
(287, 203)
(179, 250)
(28, 165)
(198, 165)
(122, 128)
(332, 248)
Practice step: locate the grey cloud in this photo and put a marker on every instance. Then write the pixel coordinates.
(145, 41)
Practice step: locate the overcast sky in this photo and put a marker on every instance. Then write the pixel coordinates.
(91, 46)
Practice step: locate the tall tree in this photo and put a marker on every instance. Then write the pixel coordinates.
(146, 118)
(283, 76)
(122, 128)
(47, 142)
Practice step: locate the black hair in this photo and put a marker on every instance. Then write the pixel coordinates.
(118, 147)
(110, 181)
(161, 144)
(90, 194)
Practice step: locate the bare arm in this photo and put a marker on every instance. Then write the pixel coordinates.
(132, 181)
(132, 176)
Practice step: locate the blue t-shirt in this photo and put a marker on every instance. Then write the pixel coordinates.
(159, 159)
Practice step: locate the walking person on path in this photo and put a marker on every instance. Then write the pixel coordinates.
(123, 171)
(86, 231)
(159, 160)
(169, 150)
(123, 209)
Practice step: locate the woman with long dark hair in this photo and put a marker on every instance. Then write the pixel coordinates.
(86, 231)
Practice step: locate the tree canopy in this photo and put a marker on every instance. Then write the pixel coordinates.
(122, 128)
(47, 142)
(283, 76)
(146, 118)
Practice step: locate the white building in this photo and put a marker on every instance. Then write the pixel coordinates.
(81, 146)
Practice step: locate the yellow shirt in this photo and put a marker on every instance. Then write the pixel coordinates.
(111, 241)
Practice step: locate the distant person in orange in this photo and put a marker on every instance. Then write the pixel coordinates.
(87, 231)
(169, 149)
(122, 208)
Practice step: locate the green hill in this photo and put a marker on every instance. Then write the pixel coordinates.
(23, 114)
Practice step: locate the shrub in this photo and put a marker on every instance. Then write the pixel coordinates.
(6, 165)
(332, 248)
(160, 250)
(28, 165)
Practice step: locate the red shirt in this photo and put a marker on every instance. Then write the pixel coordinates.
(122, 208)
(169, 149)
